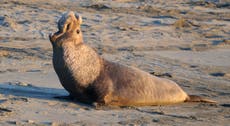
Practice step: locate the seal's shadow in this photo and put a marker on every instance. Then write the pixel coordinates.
(31, 91)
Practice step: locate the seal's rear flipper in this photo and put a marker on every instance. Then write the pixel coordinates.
(195, 98)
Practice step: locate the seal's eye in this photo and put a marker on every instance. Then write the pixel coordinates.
(78, 31)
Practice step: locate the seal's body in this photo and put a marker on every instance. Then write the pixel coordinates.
(90, 78)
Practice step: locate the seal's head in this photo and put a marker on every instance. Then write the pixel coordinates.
(68, 28)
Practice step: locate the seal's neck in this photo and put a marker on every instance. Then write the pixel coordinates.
(83, 63)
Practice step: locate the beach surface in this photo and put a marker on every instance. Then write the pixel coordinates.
(187, 41)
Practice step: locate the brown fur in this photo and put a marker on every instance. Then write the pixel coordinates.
(91, 78)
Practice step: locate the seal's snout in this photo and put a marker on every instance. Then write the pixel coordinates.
(65, 19)
(68, 18)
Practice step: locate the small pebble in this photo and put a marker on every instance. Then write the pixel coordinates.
(30, 121)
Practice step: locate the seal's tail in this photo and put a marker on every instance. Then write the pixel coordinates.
(195, 98)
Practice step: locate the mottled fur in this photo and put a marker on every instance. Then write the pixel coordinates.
(91, 78)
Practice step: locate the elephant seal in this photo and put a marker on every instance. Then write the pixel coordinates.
(92, 79)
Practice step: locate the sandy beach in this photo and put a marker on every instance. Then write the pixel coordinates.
(187, 41)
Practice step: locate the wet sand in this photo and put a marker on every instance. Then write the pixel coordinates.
(186, 41)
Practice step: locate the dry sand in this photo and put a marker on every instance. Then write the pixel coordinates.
(187, 41)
